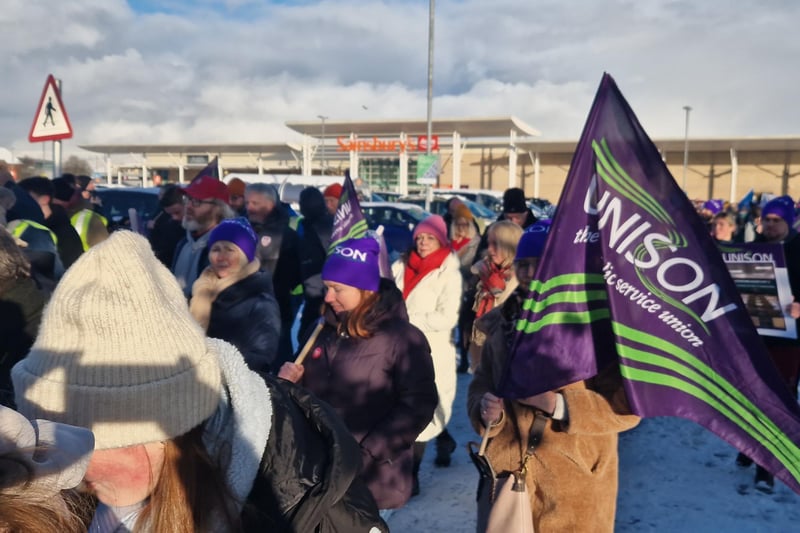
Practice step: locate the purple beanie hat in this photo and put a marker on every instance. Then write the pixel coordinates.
(354, 262)
(531, 244)
(239, 232)
(715, 205)
(783, 206)
(434, 224)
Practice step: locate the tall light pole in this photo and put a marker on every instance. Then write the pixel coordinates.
(431, 10)
(686, 146)
(323, 118)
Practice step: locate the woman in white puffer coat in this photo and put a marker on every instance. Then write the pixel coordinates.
(431, 282)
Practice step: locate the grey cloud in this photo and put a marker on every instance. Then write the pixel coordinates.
(235, 70)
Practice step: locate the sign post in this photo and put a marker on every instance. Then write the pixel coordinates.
(51, 122)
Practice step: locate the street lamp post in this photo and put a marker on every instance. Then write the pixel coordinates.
(431, 13)
(323, 118)
(686, 146)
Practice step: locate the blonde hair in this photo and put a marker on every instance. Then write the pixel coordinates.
(506, 235)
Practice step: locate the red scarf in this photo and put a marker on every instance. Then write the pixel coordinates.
(460, 243)
(417, 267)
(492, 281)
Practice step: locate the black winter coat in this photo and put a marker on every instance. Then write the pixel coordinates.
(70, 246)
(246, 315)
(383, 388)
(280, 257)
(308, 478)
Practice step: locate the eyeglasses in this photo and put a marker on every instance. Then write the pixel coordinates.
(195, 202)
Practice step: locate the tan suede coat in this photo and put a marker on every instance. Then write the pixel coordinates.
(572, 477)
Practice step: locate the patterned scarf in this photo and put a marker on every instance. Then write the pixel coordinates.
(492, 281)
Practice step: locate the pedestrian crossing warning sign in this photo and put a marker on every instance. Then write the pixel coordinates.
(51, 122)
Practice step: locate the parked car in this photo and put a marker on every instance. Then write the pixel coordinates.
(485, 197)
(483, 215)
(542, 208)
(398, 221)
(117, 201)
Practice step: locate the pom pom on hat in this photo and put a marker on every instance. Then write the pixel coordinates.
(239, 232)
(118, 352)
(434, 224)
(333, 191)
(783, 206)
(354, 262)
(533, 239)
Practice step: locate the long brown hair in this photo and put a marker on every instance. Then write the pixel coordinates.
(360, 321)
(191, 494)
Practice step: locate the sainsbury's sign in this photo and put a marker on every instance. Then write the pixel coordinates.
(410, 144)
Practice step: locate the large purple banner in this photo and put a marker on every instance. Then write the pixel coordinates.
(638, 282)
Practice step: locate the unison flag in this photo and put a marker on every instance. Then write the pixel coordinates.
(349, 223)
(630, 276)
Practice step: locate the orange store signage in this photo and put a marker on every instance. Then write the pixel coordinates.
(411, 144)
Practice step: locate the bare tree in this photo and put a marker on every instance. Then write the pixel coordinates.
(77, 166)
(27, 167)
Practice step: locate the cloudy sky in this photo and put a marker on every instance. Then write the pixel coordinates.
(153, 71)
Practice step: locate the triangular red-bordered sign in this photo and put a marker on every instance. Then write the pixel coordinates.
(51, 122)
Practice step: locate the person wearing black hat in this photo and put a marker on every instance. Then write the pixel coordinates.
(516, 210)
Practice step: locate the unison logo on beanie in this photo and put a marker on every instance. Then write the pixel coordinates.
(354, 262)
(351, 253)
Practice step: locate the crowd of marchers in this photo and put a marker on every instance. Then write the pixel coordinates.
(150, 384)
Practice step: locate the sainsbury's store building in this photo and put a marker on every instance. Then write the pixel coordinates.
(476, 153)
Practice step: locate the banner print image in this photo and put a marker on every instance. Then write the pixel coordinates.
(639, 283)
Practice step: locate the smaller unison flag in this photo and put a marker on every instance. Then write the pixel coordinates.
(349, 223)
(630, 276)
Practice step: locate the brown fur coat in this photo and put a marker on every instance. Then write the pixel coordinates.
(572, 477)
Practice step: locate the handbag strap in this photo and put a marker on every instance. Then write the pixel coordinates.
(534, 439)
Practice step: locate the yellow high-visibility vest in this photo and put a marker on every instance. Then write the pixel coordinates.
(81, 220)
(22, 225)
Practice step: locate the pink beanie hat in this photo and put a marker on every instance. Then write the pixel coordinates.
(434, 225)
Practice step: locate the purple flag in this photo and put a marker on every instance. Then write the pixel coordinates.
(210, 170)
(630, 276)
(349, 223)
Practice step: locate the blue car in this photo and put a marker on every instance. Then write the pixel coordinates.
(398, 221)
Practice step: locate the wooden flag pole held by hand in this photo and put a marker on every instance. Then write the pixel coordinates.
(310, 342)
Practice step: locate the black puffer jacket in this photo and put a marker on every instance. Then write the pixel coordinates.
(246, 315)
(309, 471)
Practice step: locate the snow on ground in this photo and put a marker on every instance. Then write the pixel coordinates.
(674, 476)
